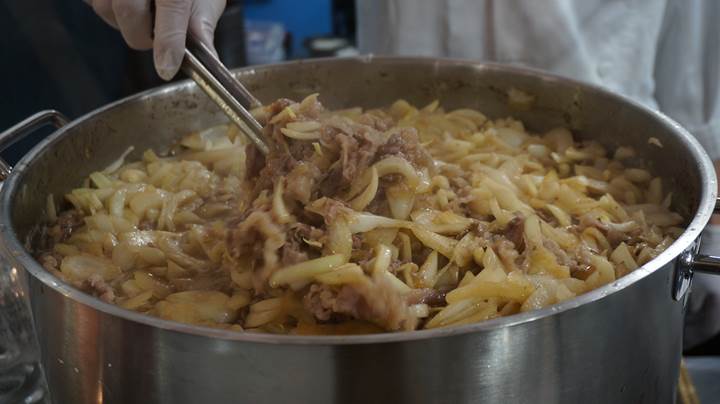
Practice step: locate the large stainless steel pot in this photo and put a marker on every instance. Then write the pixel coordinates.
(618, 344)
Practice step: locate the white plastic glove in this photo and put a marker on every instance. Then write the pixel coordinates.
(173, 19)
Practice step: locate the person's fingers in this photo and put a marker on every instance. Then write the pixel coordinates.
(204, 19)
(104, 9)
(171, 25)
(134, 20)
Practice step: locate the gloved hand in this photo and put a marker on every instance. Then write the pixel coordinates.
(173, 19)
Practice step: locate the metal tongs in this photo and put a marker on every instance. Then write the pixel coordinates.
(220, 85)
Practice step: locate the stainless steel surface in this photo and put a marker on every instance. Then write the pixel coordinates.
(21, 377)
(684, 272)
(707, 264)
(23, 128)
(219, 84)
(620, 343)
(690, 260)
(223, 75)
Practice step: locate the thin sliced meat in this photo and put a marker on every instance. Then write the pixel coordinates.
(96, 286)
(405, 143)
(294, 250)
(258, 236)
(67, 223)
(375, 301)
(356, 146)
(430, 296)
(514, 232)
(301, 181)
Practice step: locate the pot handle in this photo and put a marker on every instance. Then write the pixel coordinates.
(709, 264)
(24, 128)
(689, 261)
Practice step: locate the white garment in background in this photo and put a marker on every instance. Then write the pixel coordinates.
(663, 53)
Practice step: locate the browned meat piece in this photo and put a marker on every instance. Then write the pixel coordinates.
(581, 272)
(341, 171)
(429, 296)
(260, 237)
(298, 150)
(320, 301)
(350, 147)
(394, 265)
(305, 231)
(375, 301)
(615, 237)
(355, 145)
(349, 164)
(51, 262)
(514, 232)
(356, 241)
(379, 205)
(292, 252)
(276, 164)
(67, 222)
(420, 253)
(405, 143)
(547, 217)
(301, 181)
(580, 267)
(578, 261)
(96, 286)
(254, 161)
(381, 123)
(285, 153)
(401, 143)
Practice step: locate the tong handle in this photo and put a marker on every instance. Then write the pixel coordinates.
(220, 72)
(201, 64)
(219, 84)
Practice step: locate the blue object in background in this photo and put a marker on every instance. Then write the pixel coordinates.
(302, 19)
(265, 42)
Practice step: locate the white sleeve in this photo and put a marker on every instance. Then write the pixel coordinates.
(687, 69)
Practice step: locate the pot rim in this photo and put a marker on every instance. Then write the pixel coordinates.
(15, 247)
